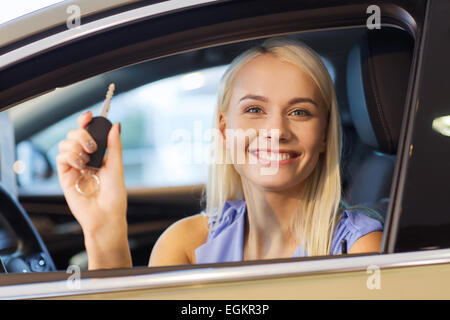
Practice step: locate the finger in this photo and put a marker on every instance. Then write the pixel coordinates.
(66, 175)
(67, 160)
(84, 119)
(62, 165)
(114, 146)
(84, 139)
(73, 146)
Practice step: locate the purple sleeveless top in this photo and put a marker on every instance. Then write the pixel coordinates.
(226, 242)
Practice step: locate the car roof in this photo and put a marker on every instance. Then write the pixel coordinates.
(51, 16)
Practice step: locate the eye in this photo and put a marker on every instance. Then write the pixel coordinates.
(300, 112)
(252, 109)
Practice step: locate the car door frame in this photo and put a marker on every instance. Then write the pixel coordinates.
(56, 284)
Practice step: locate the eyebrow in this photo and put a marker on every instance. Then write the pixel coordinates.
(291, 102)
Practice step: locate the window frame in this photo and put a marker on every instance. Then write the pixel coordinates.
(404, 234)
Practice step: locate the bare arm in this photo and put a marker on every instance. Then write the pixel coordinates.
(106, 252)
(370, 242)
(177, 244)
(102, 216)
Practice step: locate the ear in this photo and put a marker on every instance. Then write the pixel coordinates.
(222, 124)
(323, 146)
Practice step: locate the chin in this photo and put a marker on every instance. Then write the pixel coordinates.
(273, 182)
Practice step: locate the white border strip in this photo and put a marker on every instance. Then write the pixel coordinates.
(58, 39)
(224, 274)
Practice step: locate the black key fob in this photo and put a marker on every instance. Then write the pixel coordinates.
(98, 128)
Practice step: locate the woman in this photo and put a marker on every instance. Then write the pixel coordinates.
(282, 97)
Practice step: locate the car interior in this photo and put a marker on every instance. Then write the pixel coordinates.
(370, 70)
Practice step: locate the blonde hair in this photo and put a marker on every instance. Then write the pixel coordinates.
(321, 196)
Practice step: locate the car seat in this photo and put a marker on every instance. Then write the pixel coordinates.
(378, 68)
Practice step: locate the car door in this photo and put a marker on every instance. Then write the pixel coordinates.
(154, 35)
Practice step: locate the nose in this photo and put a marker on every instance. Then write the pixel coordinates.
(277, 127)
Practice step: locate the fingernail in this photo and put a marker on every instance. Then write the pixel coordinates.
(80, 163)
(84, 157)
(85, 113)
(91, 146)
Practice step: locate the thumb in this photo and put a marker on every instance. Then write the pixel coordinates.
(114, 157)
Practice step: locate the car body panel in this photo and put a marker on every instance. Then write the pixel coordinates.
(421, 282)
(354, 276)
(29, 50)
(52, 16)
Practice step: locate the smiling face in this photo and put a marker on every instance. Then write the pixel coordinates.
(270, 94)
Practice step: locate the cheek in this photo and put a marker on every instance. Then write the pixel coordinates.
(310, 135)
(239, 134)
(241, 123)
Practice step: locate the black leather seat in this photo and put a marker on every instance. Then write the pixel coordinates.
(377, 79)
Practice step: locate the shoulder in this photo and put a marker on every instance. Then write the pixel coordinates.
(177, 243)
(358, 221)
(370, 242)
(362, 232)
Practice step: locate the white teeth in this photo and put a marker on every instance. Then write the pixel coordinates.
(274, 156)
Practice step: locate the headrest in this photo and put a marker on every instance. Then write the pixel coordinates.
(377, 80)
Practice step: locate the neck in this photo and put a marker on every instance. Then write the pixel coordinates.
(267, 228)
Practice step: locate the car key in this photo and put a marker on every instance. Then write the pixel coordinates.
(99, 127)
